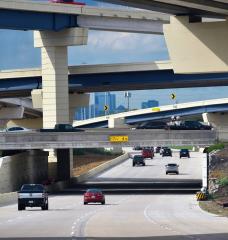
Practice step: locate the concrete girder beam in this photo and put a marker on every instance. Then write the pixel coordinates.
(197, 47)
(7, 113)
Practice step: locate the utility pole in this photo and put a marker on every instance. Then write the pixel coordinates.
(128, 96)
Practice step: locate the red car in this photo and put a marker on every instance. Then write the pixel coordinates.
(147, 153)
(67, 2)
(94, 196)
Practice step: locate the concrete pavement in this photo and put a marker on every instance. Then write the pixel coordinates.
(144, 216)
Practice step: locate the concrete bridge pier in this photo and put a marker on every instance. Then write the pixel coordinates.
(55, 88)
(220, 122)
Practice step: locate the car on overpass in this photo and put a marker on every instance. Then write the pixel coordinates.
(138, 160)
(184, 153)
(67, 2)
(188, 125)
(94, 196)
(62, 127)
(17, 129)
(172, 168)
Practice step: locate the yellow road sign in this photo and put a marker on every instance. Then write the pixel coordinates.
(200, 196)
(173, 96)
(156, 109)
(118, 138)
(106, 107)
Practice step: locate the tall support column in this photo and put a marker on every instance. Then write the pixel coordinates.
(55, 99)
(55, 86)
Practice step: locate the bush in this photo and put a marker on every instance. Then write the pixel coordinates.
(217, 146)
(223, 182)
(84, 151)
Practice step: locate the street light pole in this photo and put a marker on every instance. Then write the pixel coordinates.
(128, 96)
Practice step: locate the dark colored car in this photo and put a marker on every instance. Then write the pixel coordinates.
(62, 127)
(138, 160)
(167, 152)
(32, 195)
(147, 153)
(94, 196)
(67, 2)
(189, 125)
(184, 153)
(152, 125)
(157, 149)
(137, 148)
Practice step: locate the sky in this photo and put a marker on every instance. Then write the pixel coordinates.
(17, 51)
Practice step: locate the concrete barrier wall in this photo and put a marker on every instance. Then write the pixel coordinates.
(8, 198)
(27, 167)
(103, 167)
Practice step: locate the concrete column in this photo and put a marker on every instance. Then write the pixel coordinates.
(220, 122)
(55, 86)
(55, 92)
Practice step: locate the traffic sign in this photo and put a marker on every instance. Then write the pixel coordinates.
(173, 96)
(118, 138)
(106, 107)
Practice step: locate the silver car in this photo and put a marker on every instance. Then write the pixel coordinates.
(172, 168)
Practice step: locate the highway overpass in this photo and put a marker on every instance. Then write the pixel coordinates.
(214, 8)
(105, 138)
(160, 113)
(110, 77)
(28, 15)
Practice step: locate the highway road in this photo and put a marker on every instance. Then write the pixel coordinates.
(141, 216)
(155, 169)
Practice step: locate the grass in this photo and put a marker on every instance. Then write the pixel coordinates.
(223, 181)
(100, 151)
(212, 207)
(182, 147)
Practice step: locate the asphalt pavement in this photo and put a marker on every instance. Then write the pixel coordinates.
(125, 216)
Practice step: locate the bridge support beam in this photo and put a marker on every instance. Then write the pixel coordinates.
(55, 92)
(197, 47)
(220, 122)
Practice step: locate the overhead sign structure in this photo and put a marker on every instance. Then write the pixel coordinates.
(118, 138)
(106, 107)
(173, 96)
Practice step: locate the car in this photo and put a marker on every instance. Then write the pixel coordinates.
(157, 149)
(32, 195)
(67, 2)
(189, 125)
(172, 168)
(62, 127)
(94, 195)
(167, 152)
(138, 160)
(162, 149)
(152, 125)
(147, 153)
(137, 148)
(184, 153)
(17, 129)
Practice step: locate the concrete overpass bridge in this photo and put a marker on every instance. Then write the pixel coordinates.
(216, 108)
(110, 77)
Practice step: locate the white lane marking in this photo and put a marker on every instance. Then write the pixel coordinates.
(81, 220)
(164, 226)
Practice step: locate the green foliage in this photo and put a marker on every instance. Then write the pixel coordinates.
(182, 147)
(217, 146)
(223, 182)
(84, 151)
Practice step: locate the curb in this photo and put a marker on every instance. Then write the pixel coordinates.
(99, 169)
(8, 198)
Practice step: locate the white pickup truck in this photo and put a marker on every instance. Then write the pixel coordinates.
(32, 195)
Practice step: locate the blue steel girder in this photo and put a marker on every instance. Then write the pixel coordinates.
(177, 112)
(122, 81)
(29, 20)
